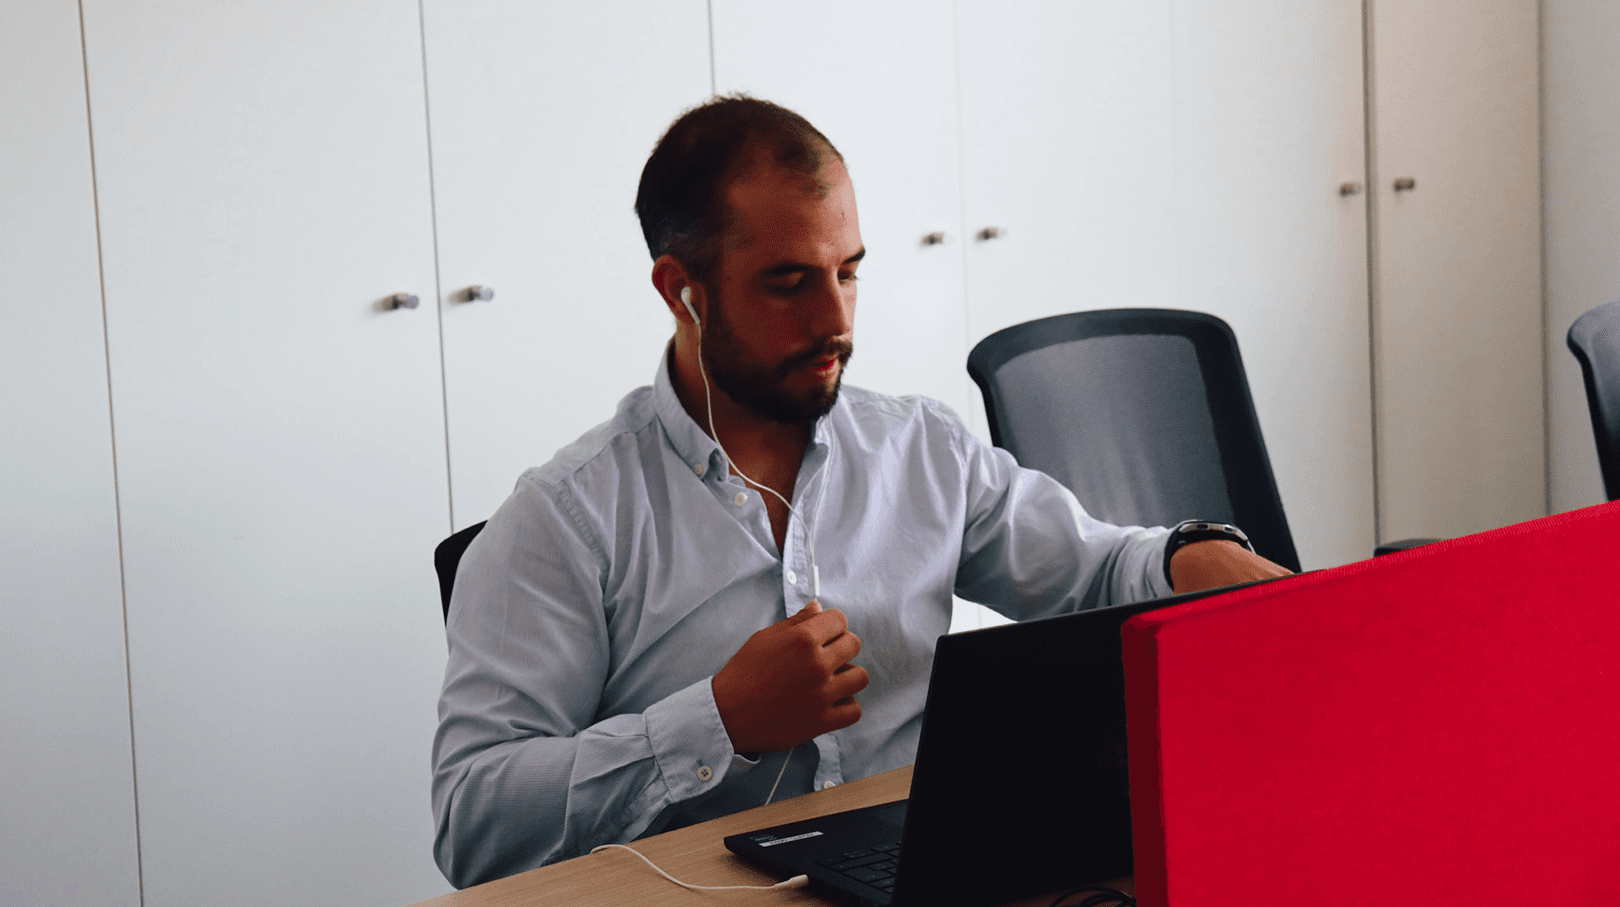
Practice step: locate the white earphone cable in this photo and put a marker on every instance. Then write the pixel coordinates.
(772, 795)
(795, 882)
(809, 530)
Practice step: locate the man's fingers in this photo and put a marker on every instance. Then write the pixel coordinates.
(843, 648)
(811, 609)
(825, 627)
(846, 682)
(843, 713)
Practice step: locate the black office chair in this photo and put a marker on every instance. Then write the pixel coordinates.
(447, 557)
(1144, 414)
(1594, 338)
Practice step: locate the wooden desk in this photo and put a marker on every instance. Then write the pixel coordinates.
(693, 854)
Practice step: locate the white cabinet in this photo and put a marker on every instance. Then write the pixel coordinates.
(264, 186)
(536, 156)
(1068, 159)
(1581, 144)
(67, 798)
(1268, 127)
(289, 448)
(1123, 154)
(879, 79)
(1459, 344)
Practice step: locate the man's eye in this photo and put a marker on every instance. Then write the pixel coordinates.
(784, 288)
(847, 278)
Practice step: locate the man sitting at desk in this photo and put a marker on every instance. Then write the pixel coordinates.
(643, 638)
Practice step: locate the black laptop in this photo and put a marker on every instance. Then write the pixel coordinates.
(1020, 785)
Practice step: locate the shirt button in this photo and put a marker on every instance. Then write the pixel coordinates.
(828, 785)
(705, 773)
(700, 468)
(792, 578)
(741, 498)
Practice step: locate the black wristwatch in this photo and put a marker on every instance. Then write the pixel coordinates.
(1188, 531)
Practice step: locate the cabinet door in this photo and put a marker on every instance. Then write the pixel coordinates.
(263, 176)
(68, 797)
(1068, 159)
(879, 80)
(1581, 120)
(536, 157)
(1461, 412)
(1189, 155)
(1269, 125)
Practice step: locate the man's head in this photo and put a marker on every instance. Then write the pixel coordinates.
(681, 199)
(745, 201)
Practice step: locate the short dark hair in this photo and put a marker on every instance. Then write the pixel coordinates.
(681, 197)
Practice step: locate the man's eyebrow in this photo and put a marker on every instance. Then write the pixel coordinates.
(793, 267)
(784, 269)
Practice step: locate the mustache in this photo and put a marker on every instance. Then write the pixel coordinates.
(835, 347)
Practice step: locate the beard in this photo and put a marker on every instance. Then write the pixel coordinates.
(762, 388)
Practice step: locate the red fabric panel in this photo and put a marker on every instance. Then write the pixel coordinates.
(1440, 726)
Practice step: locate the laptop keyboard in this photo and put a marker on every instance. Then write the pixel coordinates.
(872, 866)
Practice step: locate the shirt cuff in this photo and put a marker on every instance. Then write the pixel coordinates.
(1159, 577)
(689, 741)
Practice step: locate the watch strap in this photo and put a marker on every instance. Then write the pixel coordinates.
(1188, 531)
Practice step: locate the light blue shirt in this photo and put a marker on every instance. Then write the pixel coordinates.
(592, 612)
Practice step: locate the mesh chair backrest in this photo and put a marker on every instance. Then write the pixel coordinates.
(1594, 338)
(1144, 414)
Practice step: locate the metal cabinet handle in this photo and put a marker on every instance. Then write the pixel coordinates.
(1405, 184)
(934, 239)
(1349, 188)
(480, 293)
(989, 233)
(404, 301)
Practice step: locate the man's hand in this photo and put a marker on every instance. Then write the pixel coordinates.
(1218, 562)
(790, 682)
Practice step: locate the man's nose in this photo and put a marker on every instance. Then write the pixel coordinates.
(835, 310)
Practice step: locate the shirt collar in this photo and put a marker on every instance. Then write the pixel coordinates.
(690, 441)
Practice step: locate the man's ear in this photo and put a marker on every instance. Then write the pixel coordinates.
(669, 277)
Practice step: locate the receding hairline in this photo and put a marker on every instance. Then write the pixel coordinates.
(760, 156)
(814, 184)
(681, 199)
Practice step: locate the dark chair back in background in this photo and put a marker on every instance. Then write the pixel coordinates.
(1145, 414)
(1594, 338)
(447, 557)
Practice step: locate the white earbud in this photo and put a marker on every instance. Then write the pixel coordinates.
(686, 297)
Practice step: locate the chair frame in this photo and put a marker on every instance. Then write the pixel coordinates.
(1580, 339)
(447, 557)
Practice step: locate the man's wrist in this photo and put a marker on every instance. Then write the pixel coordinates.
(1188, 531)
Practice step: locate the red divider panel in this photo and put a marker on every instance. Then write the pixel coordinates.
(1440, 726)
